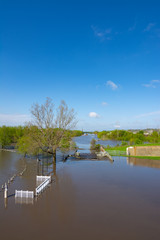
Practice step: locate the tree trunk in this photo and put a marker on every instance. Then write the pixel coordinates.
(54, 156)
(54, 162)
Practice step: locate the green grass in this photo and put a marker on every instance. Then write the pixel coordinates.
(121, 151)
(147, 144)
(116, 152)
(122, 154)
(119, 148)
(146, 157)
(123, 148)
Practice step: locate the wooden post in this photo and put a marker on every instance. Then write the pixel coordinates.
(5, 191)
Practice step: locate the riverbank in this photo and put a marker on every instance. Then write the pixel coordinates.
(149, 151)
(7, 150)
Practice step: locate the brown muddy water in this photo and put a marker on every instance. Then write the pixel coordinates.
(87, 200)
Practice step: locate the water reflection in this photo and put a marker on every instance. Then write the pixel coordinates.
(143, 162)
(88, 200)
(8, 165)
(65, 195)
(23, 200)
(5, 203)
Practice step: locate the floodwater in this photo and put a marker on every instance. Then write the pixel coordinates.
(87, 199)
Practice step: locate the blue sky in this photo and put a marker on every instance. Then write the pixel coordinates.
(101, 57)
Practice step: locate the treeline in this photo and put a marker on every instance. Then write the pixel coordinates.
(129, 136)
(76, 133)
(10, 136)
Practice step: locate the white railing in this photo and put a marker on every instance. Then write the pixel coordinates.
(42, 178)
(46, 180)
(24, 194)
(42, 182)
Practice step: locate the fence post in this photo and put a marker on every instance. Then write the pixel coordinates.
(5, 191)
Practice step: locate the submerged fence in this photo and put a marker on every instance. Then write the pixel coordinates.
(42, 178)
(45, 180)
(28, 196)
(24, 194)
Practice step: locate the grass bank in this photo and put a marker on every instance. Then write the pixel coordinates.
(147, 157)
(121, 151)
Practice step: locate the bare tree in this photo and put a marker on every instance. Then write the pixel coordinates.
(48, 129)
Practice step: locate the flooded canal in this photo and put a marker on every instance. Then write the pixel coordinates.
(88, 199)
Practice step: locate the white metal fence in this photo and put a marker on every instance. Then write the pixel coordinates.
(24, 194)
(42, 182)
(45, 180)
(40, 179)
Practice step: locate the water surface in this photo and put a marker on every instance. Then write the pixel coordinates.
(88, 200)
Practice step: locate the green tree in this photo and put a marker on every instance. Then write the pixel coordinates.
(49, 128)
(154, 137)
(94, 146)
(76, 133)
(5, 136)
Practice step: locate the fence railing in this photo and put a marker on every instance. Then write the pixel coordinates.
(24, 194)
(42, 178)
(46, 180)
(43, 182)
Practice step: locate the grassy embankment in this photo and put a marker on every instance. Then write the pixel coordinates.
(121, 151)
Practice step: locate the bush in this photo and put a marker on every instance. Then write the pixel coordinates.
(95, 146)
(138, 141)
(124, 143)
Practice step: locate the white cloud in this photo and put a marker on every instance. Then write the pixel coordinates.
(149, 26)
(133, 27)
(112, 85)
(104, 103)
(152, 84)
(93, 115)
(117, 126)
(102, 34)
(13, 119)
(148, 114)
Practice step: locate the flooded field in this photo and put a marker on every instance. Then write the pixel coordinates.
(88, 199)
